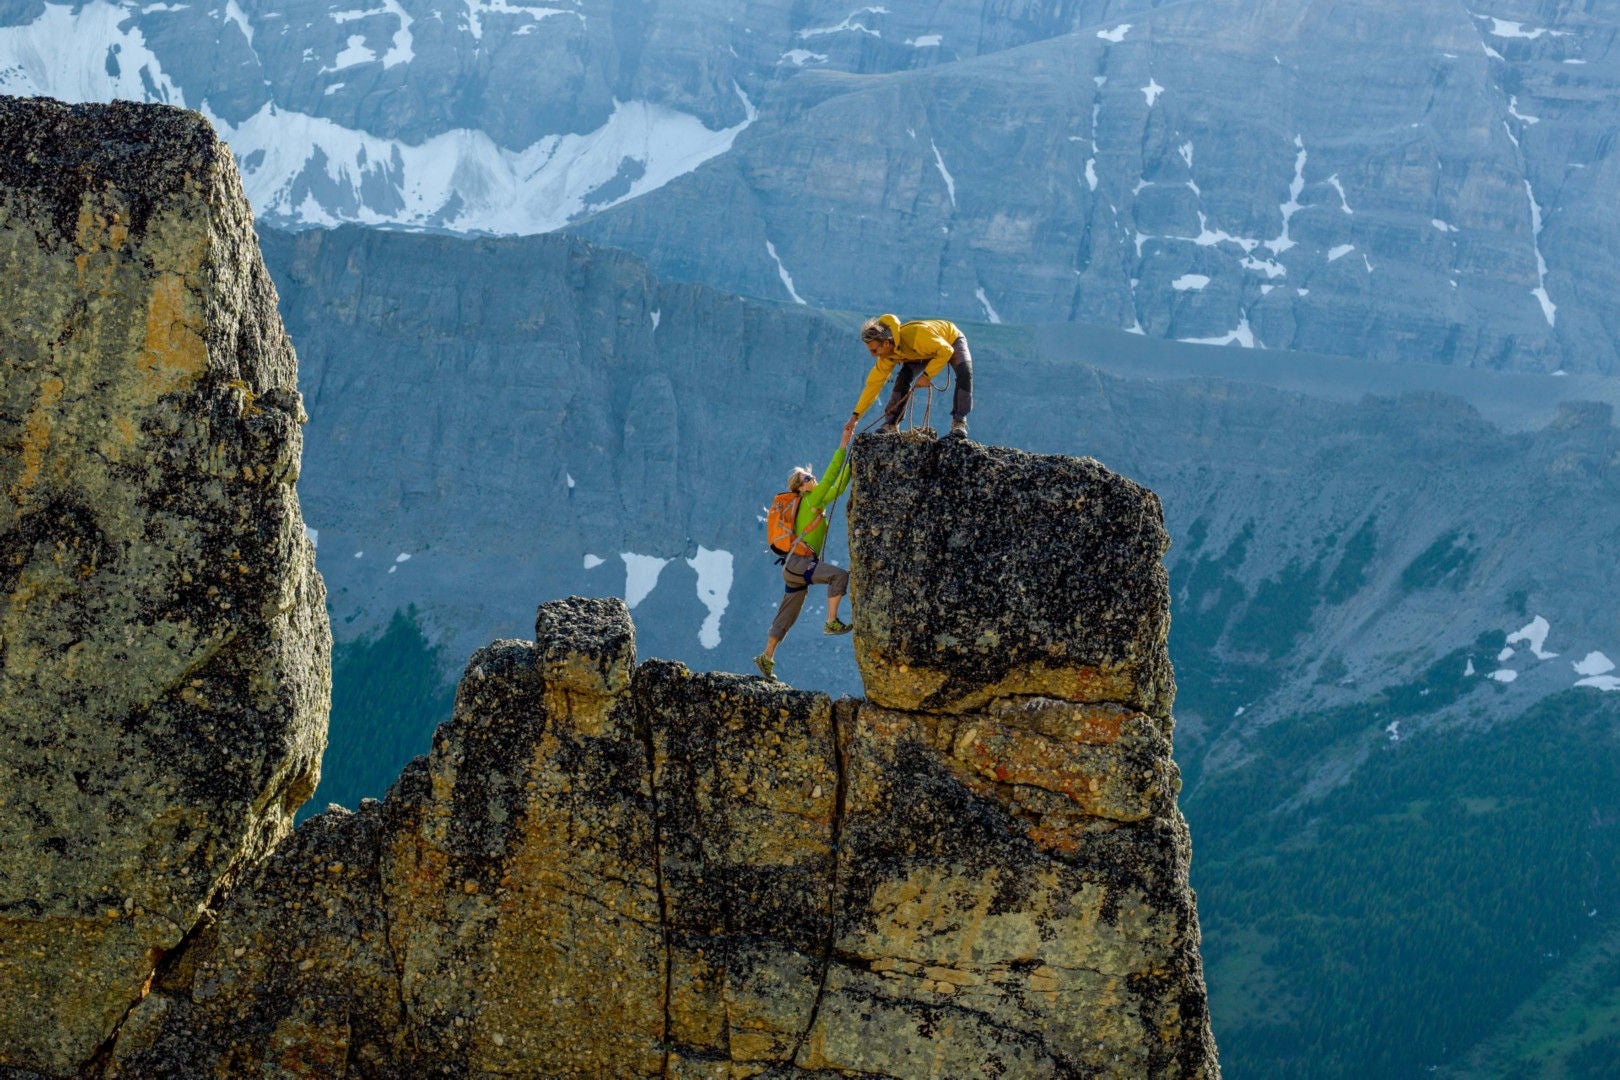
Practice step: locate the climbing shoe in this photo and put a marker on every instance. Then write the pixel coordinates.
(958, 429)
(767, 666)
(836, 626)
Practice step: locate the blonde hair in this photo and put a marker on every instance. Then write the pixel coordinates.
(798, 476)
(876, 330)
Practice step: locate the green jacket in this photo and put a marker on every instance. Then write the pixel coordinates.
(832, 483)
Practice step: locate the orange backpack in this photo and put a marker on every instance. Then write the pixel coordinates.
(779, 526)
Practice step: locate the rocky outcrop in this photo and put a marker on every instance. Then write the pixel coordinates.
(1022, 574)
(602, 867)
(164, 649)
(605, 868)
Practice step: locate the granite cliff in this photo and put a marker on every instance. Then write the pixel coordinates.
(613, 868)
(164, 650)
(602, 867)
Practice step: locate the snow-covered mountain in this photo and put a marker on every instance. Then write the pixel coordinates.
(1372, 179)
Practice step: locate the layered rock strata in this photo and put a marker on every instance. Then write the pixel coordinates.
(606, 868)
(164, 648)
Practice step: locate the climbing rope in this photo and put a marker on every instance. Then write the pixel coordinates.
(908, 403)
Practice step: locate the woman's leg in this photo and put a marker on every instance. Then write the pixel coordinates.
(837, 580)
(794, 591)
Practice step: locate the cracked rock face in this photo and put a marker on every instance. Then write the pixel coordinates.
(164, 649)
(611, 869)
(982, 573)
(602, 868)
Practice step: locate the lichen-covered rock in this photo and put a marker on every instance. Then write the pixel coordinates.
(686, 874)
(164, 649)
(982, 572)
(601, 869)
(1000, 919)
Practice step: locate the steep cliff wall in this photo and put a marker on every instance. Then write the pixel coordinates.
(606, 868)
(164, 650)
(602, 868)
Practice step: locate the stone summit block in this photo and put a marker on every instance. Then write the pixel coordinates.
(982, 572)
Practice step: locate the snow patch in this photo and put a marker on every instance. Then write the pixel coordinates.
(781, 272)
(1208, 237)
(569, 478)
(849, 24)
(1394, 729)
(1190, 282)
(950, 184)
(63, 54)
(403, 556)
(1533, 633)
(1282, 242)
(460, 179)
(1549, 310)
(1502, 28)
(1186, 152)
(656, 314)
(1503, 675)
(984, 301)
(233, 13)
(1344, 203)
(1243, 335)
(1337, 253)
(1152, 91)
(593, 561)
(801, 57)
(640, 575)
(1594, 663)
(1091, 173)
(1443, 226)
(714, 589)
(926, 41)
(477, 9)
(1469, 670)
(1601, 682)
(1513, 111)
(1116, 34)
(355, 53)
(1265, 266)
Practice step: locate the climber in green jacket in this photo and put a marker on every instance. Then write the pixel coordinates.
(803, 566)
(922, 347)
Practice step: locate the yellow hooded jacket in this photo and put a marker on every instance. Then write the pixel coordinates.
(925, 339)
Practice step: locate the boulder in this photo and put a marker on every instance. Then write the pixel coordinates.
(983, 572)
(164, 648)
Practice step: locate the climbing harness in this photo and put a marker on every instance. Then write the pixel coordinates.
(908, 403)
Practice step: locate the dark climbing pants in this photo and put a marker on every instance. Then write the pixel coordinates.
(961, 368)
(798, 582)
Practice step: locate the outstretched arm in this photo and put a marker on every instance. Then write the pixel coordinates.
(874, 385)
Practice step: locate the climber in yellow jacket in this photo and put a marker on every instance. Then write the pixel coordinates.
(922, 347)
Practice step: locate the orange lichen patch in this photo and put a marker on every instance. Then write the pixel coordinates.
(1095, 725)
(1062, 838)
(1098, 780)
(37, 435)
(173, 354)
